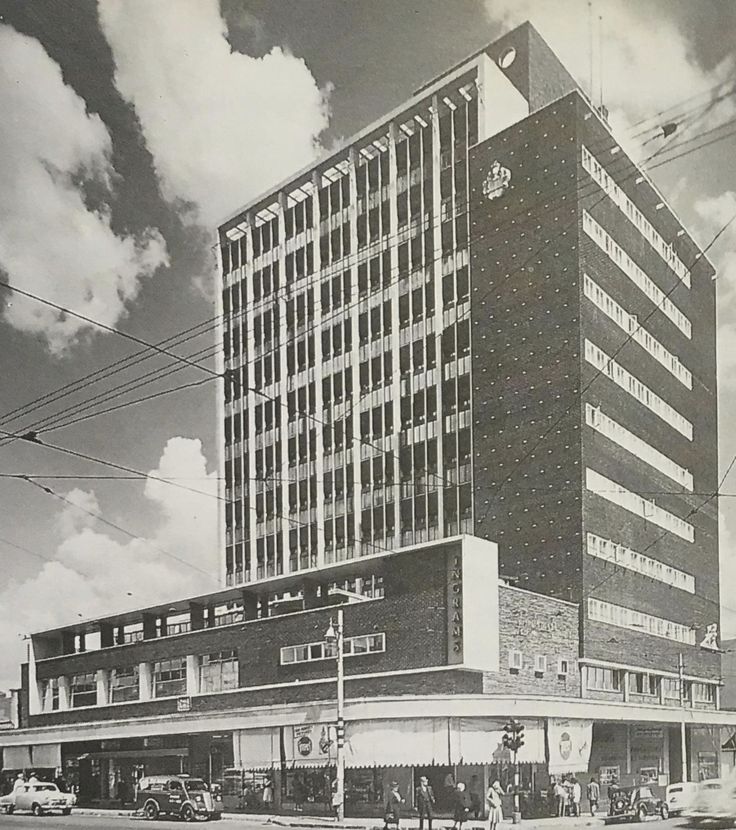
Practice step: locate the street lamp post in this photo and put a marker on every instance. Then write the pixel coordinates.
(334, 634)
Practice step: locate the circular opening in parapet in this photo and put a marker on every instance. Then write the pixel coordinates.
(507, 57)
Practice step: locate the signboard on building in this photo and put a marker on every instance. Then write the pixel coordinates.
(455, 606)
(183, 704)
(310, 744)
(568, 745)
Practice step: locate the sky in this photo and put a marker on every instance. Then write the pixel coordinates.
(130, 128)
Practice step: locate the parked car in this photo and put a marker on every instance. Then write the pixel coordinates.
(639, 803)
(679, 797)
(38, 798)
(177, 795)
(714, 802)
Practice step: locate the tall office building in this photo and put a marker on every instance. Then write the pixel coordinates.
(480, 316)
(473, 339)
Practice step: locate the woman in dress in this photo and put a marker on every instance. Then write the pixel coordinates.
(495, 805)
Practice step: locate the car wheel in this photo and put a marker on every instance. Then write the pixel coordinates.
(9, 809)
(37, 810)
(641, 813)
(150, 810)
(664, 811)
(187, 813)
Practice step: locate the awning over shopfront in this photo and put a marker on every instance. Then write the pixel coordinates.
(47, 756)
(568, 744)
(310, 745)
(480, 741)
(396, 743)
(255, 749)
(16, 757)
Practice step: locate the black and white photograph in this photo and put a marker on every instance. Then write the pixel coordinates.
(367, 391)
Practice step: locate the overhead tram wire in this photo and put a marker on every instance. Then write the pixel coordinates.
(172, 482)
(100, 518)
(341, 266)
(91, 375)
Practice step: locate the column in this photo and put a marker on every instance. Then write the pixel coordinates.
(103, 687)
(250, 605)
(149, 627)
(145, 681)
(309, 593)
(192, 675)
(107, 635)
(65, 698)
(196, 615)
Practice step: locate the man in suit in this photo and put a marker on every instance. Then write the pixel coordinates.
(425, 802)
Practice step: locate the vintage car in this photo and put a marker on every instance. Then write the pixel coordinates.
(635, 803)
(679, 796)
(713, 803)
(38, 798)
(177, 795)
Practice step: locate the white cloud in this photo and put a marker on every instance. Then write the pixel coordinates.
(94, 573)
(646, 66)
(222, 126)
(51, 243)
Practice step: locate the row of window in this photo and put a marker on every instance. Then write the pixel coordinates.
(627, 206)
(623, 378)
(602, 679)
(541, 664)
(626, 439)
(638, 505)
(352, 647)
(629, 324)
(217, 672)
(632, 560)
(622, 617)
(622, 260)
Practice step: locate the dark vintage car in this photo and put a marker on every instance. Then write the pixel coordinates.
(635, 804)
(177, 795)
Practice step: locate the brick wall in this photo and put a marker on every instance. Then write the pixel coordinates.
(534, 625)
(525, 353)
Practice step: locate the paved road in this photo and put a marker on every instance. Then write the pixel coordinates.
(83, 822)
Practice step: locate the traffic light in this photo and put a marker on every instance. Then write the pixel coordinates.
(513, 737)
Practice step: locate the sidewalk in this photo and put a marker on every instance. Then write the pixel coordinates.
(408, 823)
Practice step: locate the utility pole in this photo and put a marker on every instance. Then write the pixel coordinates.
(334, 634)
(683, 741)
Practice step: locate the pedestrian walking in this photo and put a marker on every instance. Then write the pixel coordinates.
(394, 801)
(577, 796)
(267, 796)
(594, 794)
(495, 805)
(424, 799)
(561, 798)
(20, 781)
(461, 806)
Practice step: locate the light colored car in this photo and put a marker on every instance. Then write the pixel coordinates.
(714, 802)
(679, 796)
(38, 798)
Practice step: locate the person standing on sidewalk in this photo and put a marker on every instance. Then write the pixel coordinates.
(577, 796)
(393, 807)
(425, 802)
(495, 805)
(461, 806)
(561, 796)
(594, 794)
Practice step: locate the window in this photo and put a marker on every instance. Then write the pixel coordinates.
(623, 617)
(219, 671)
(352, 647)
(703, 692)
(641, 683)
(123, 685)
(563, 667)
(84, 690)
(50, 694)
(540, 664)
(603, 680)
(170, 677)
(516, 660)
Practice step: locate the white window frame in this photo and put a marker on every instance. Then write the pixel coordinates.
(540, 664)
(516, 659)
(215, 671)
(358, 646)
(622, 617)
(563, 667)
(172, 664)
(126, 671)
(92, 681)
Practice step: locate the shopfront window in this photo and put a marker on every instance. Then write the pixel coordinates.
(124, 685)
(170, 677)
(84, 690)
(218, 671)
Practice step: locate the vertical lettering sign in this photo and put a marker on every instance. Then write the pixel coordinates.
(455, 606)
